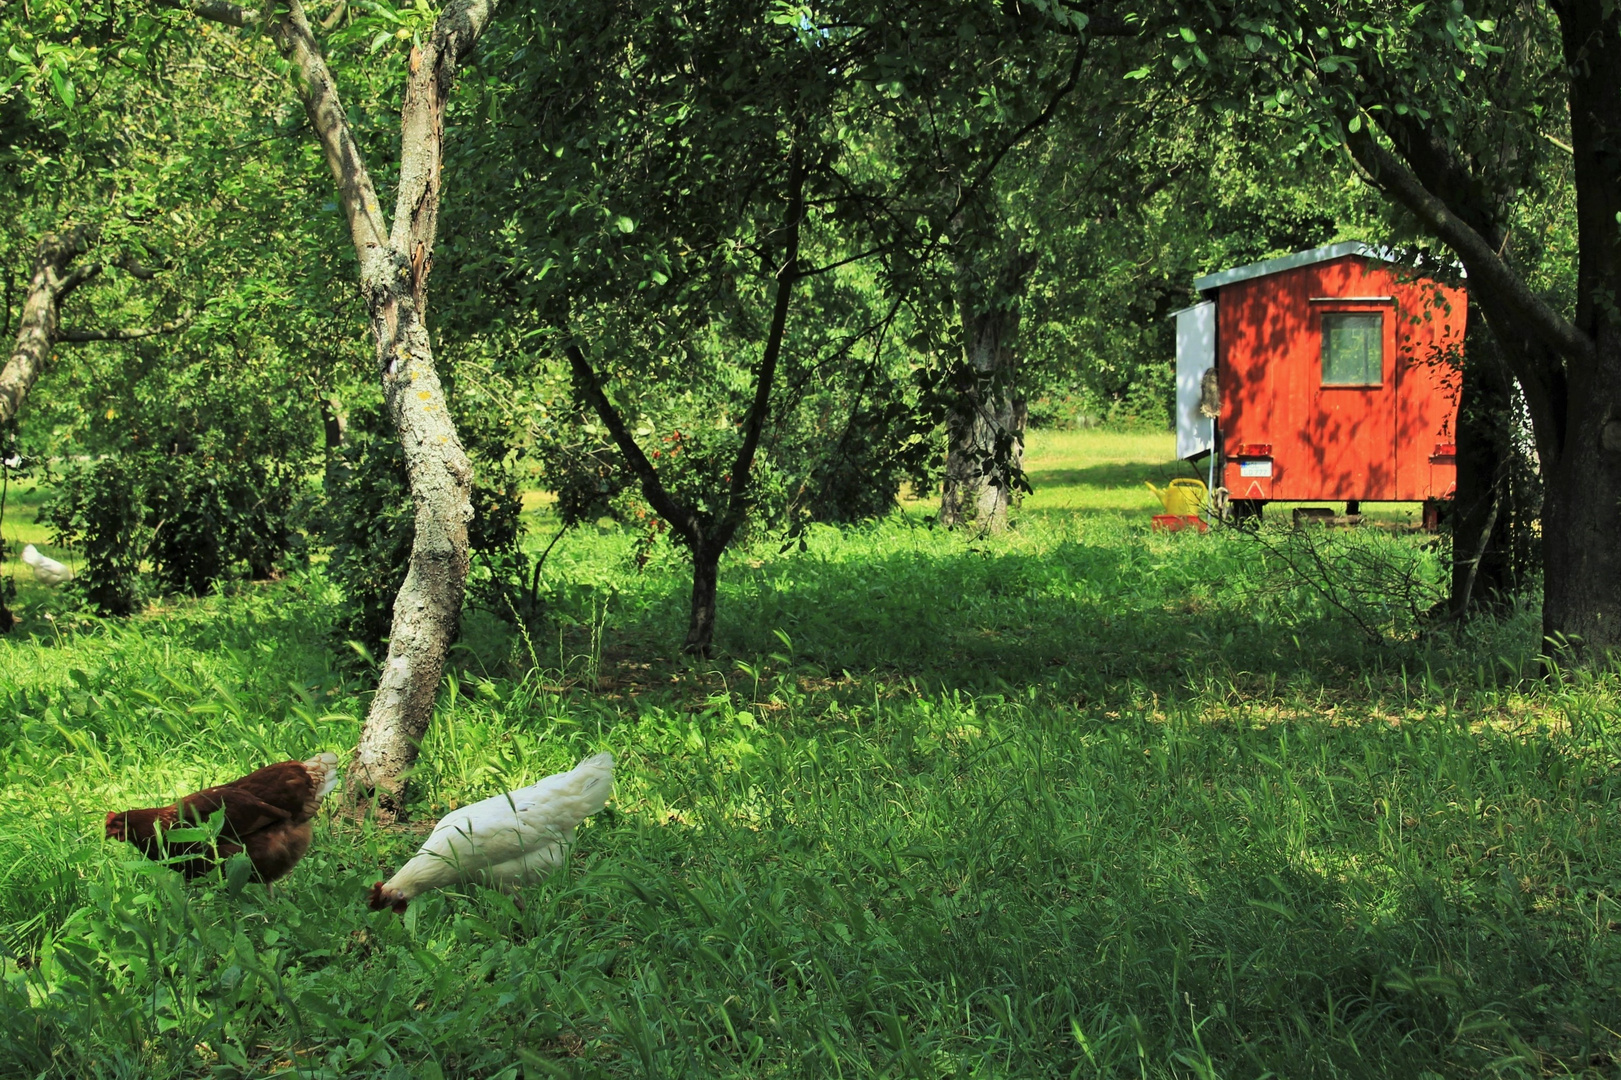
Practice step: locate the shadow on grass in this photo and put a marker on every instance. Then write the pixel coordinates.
(1078, 616)
(1065, 893)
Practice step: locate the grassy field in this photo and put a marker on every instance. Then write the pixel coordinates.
(1079, 800)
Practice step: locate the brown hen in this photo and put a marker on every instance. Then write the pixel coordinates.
(267, 815)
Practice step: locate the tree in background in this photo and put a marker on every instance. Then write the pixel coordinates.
(1127, 201)
(993, 260)
(50, 284)
(1073, 255)
(693, 196)
(985, 417)
(75, 186)
(146, 174)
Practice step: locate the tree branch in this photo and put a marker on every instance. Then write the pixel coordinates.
(137, 269)
(220, 11)
(1392, 175)
(1040, 120)
(432, 69)
(80, 276)
(75, 337)
(814, 271)
(585, 377)
(457, 31)
(48, 287)
(319, 93)
(422, 132)
(1483, 201)
(765, 376)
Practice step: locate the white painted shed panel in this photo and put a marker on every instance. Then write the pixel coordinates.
(1195, 353)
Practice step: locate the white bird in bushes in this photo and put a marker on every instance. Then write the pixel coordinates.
(505, 841)
(46, 569)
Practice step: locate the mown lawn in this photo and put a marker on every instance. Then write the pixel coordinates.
(1080, 800)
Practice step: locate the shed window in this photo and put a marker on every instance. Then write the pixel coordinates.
(1353, 349)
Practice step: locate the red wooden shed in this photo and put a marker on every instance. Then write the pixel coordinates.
(1336, 375)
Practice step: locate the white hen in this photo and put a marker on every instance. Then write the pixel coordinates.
(46, 569)
(506, 840)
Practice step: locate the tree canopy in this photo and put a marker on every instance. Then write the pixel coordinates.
(718, 270)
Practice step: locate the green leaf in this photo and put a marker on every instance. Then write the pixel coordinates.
(63, 87)
(189, 834)
(238, 872)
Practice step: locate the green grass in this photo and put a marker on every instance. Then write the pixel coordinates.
(1106, 470)
(1079, 800)
(1100, 470)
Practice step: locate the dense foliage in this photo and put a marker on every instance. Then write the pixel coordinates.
(616, 181)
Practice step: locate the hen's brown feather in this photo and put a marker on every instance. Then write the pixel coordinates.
(267, 814)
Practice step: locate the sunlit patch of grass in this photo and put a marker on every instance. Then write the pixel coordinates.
(23, 500)
(1094, 470)
(1101, 470)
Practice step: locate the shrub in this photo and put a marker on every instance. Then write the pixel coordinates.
(195, 514)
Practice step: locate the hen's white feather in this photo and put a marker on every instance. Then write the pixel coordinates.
(323, 769)
(509, 839)
(46, 569)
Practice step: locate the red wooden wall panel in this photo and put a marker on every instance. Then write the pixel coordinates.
(1337, 442)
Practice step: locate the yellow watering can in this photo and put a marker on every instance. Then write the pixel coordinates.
(1182, 497)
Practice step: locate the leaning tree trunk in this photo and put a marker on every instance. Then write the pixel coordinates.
(985, 427)
(49, 286)
(394, 266)
(428, 607)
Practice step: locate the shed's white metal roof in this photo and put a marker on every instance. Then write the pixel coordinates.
(1190, 307)
(1288, 262)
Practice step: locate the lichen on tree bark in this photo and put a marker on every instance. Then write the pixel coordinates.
(49, 285)
(394, 265)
